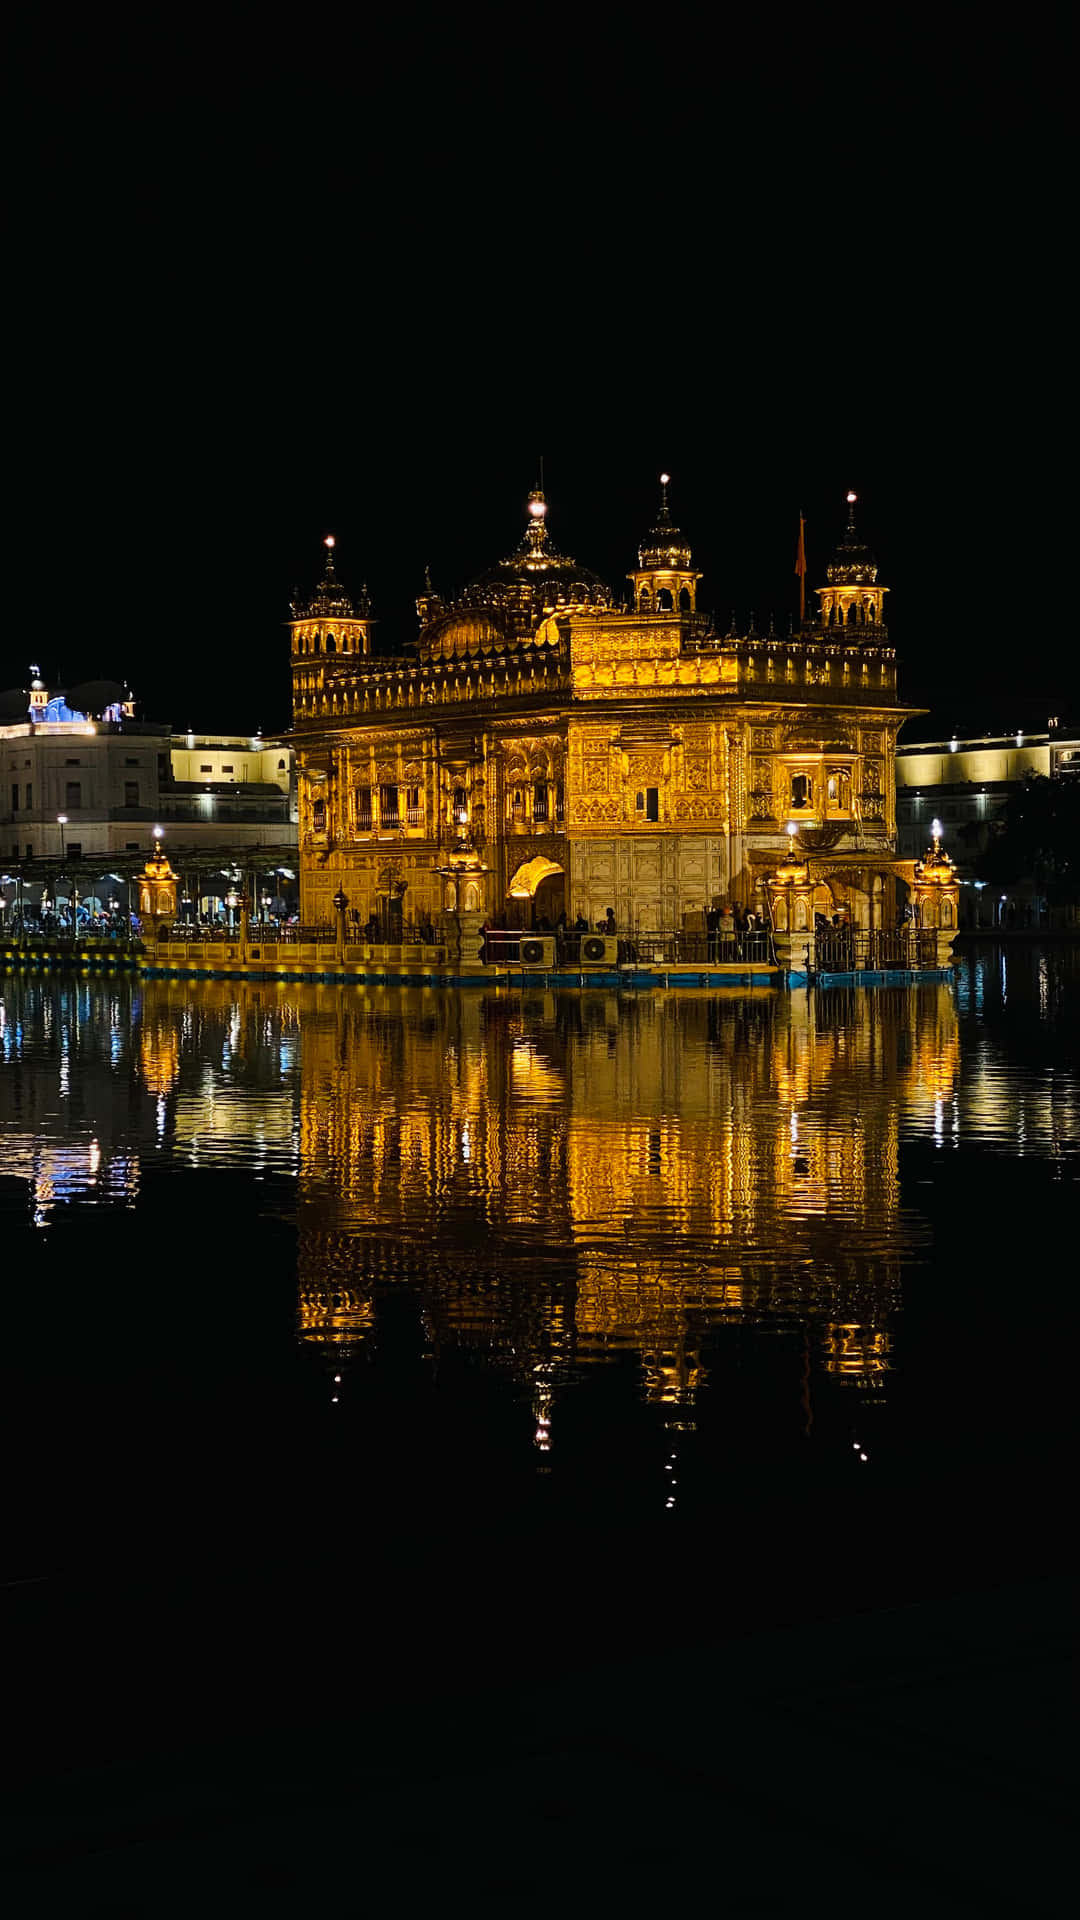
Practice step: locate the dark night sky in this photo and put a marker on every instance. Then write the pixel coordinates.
(267, 287)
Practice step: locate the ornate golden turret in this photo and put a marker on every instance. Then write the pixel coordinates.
(157, 896)
(664, 581)
(853, 597)
(936, 889)
(328, 621)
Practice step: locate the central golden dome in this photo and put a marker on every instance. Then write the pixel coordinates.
(515, 597)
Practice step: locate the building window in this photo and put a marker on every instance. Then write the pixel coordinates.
(838, 790)
(74, 849)
(363, 807)
(802, 790)
(459, 806)
(318, 816)
(133, 763)
(413, 805)
(29, 850)
(281, 766)
(559, 801)
(73, 763)
(517, 804)
(14, 796)
(73, 793)
(131, 793)
(227, 769)
(648, 803)
(131, 846)
(206, 767)
(540, 800)
(388, 806)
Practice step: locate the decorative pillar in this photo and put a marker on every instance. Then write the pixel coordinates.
(157, 898)
(790, 892)
(937, 897)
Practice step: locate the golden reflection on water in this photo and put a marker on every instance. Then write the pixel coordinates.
(563, 1178)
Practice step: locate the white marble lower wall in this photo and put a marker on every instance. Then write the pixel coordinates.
(653, 881)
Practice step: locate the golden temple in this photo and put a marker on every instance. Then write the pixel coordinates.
(544, 750)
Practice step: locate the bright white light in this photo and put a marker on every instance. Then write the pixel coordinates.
(61, 819)
(537, 509)
(851, 499)
(665, 479)
(329, 541)
(159, 833)
(936, 829)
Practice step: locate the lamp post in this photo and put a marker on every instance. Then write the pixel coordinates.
(61, 821)
(341, 901)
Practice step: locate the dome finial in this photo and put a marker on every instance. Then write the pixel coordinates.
(851, 499)
(536, 533)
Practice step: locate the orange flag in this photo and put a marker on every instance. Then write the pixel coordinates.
(800, 567)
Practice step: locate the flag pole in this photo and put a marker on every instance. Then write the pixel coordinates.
(800, 568)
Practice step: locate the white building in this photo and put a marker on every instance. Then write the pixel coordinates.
(84, 781)
(966, 784)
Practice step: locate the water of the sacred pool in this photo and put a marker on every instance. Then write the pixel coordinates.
(365, 1344)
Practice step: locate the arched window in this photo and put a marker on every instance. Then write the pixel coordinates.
(851, 615)
(281, 766)
(517, 804)
(802, 790)
(684, 600)
(664, 601)
(644, 601)
(540, 800)
(459, 806)
(318, 816)
(331, 643)
(838, 790)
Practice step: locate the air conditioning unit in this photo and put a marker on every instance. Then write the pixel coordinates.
(537, 950)
(599, 950)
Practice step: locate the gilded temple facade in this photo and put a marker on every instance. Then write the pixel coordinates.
(545, 750)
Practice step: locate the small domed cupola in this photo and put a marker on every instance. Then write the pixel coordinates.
(330, 620)
(664, 580)
(853, 597)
